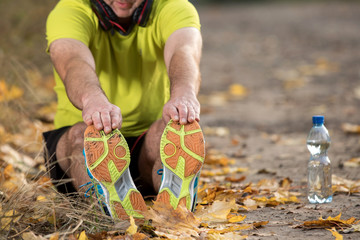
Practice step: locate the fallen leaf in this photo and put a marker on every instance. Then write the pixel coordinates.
(217, 212)
(238, 90)
(350, 128)
(330, 222)
(236, 219)
(250, 204)
(354, 162)
(260, 224)
(337, 235)
(216, 158)
(231, 229)
(54, 236)
(31, 236)
(216, 131)
(83, 236)
(40, 198)
(226, 236)
(9, 93)
(132, 229)
(353, 228)
(178, 222)
(16, 159)
(139, 236)
(216, 99)
(342, 185)
(235, 180)
(222, 171)
(8, 218)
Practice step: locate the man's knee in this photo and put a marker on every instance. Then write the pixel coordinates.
(75, 135)
(71, 141)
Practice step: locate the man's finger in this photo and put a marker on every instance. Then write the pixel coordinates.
(174, 114)
(191, 114)
(115, 120)
(97, 120)
(106, 121)
(87, 119)
(183, 113)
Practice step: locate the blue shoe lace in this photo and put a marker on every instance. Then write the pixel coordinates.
(91, 189)
(94, 188)
(160, 171)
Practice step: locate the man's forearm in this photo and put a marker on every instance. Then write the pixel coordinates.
(82, 84)
(184, 73)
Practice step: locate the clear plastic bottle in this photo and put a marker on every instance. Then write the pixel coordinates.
(319, 166)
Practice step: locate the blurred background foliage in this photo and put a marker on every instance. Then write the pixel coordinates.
(24, 63)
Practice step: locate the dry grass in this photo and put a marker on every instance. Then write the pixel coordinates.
(37, 207)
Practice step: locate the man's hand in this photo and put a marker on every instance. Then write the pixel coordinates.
(185, 108)
(97, 110)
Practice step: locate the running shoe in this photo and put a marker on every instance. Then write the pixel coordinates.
(108, 159)
(182, 151)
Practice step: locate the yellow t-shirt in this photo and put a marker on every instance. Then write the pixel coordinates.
(130, 68)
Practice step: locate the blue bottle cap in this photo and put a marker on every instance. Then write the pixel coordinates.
(318, 119)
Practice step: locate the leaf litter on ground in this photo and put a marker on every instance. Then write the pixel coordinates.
(32, 208)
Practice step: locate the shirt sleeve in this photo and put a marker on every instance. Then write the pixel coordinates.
(175, 15)
(70, 19)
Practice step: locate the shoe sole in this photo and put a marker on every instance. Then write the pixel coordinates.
(108, 159)
(182, 151)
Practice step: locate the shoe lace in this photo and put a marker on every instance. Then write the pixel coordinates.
(91, 189)
(160, 171)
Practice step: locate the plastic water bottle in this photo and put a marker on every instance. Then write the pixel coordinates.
(319, 166)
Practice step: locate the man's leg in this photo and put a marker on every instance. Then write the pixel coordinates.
(182, 148)
(149, 160)
(69, 153)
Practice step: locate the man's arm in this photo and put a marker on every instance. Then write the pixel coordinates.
(182, 58)
(75, 65)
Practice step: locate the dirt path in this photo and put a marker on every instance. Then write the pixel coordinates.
(295, 61)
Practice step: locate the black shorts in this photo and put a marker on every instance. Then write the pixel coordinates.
(60, 179)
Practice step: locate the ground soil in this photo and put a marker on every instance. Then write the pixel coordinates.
(262, 47)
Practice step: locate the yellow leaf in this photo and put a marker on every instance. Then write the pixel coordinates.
(139, 236)
(133, 228)
(337, 218)
(8, 218)
(8, 94)
(260, 224)
(235, 219)
(55, 236)
(218, 211)
(250, 204)
(41, 198)
(330, 222)
(8, 171)
(337, 235)
(10, 186)
(238, 90)
(83, 236)
(354, 162)
(350, 128)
